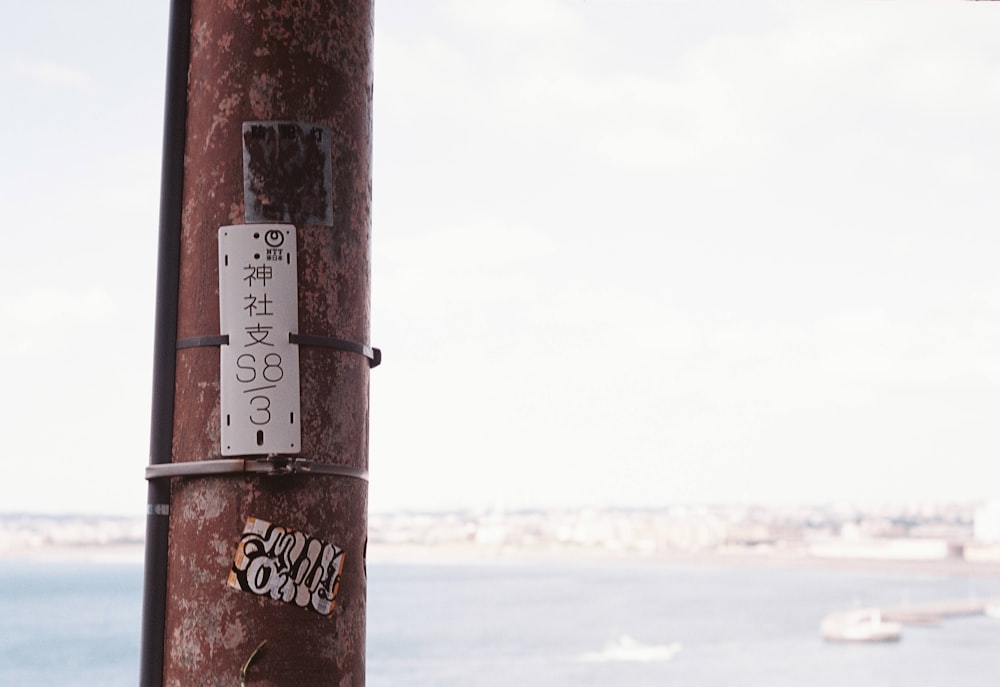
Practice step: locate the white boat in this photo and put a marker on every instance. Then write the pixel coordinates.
(862, 625)
(626, 648)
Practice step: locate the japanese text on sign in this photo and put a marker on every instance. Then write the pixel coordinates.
(258, 309)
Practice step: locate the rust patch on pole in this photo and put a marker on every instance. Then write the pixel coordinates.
(309, 62)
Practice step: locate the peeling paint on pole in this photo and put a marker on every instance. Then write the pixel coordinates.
(280, 62)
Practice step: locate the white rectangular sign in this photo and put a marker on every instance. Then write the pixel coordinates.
(258, 309)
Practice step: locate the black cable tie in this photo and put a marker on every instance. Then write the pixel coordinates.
(201, 341)
(271, 466)
(374, 355)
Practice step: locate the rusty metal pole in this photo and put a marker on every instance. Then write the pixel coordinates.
(301, 71)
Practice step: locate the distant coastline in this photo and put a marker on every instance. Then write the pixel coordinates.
(936, 542)
(94, 538)
(477, 555)
(474, 555)
(86, 553)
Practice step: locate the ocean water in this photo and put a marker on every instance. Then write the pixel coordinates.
(77, 624)
(69, 624)
(495, 626)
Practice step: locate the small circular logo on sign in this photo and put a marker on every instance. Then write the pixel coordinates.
(274, 238)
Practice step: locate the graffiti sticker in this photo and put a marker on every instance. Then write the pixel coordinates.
(287, 566)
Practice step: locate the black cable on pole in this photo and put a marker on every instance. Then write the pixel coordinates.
(164, 344)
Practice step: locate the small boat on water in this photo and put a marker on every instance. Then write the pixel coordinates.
(861, 625)
(626, 648)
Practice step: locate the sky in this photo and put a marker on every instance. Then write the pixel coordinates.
(625, 253)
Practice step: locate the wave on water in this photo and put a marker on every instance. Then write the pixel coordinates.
(628, 649)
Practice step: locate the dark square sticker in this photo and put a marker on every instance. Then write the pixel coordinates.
(287, 173)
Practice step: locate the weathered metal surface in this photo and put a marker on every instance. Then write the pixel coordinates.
(303, 61)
